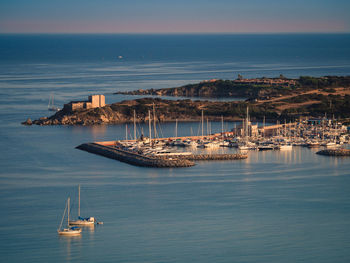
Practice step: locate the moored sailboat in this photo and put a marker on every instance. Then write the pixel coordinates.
(68, 231)
(51, 106)
(83, 221)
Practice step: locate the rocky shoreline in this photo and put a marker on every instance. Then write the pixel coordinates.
(258, 88)
(281, 100)
(122, 112)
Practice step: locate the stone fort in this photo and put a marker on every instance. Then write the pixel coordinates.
(94, 101)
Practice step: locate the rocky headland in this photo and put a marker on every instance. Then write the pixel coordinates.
(166, 110)
(270, 98)
(258, 88)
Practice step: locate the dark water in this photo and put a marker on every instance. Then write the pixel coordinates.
(273, 207)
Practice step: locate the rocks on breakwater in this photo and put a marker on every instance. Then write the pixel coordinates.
(335, 152)
(134, 158)
(154, 161)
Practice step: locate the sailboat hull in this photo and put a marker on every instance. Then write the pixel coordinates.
(81, 223)
(69, 232)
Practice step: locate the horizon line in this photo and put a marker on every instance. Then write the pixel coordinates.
(171, 33)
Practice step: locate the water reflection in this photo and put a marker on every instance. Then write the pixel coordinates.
(88, 228)
(97, 131)
(71, 246)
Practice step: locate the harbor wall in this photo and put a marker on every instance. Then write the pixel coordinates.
(153, 161)
(134, 158)
(335, 152)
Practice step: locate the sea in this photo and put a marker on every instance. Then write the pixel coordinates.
(274, 206)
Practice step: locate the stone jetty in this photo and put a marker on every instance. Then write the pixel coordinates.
(138, 159)
(335, 152)
(134, 158)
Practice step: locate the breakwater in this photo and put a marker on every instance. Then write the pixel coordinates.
(134, 158)
(335, 152)
(163, 161)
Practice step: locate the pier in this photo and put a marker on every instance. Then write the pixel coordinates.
(109, 150)
(134, 158)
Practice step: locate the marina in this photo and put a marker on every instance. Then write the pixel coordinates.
(182, 151)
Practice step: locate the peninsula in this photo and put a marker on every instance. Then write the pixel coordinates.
(257, 88)
(273, 99)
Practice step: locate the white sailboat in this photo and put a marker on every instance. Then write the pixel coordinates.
(68, 231)
(51, 106)
(82, 221)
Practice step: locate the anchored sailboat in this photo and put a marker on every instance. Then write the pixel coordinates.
(84, 221)
(68, 231)
(51, 106)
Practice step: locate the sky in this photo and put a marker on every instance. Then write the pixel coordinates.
(175, 16)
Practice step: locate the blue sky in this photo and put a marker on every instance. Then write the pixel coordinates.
(177, 16)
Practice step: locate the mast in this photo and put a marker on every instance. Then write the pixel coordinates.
(222, 127)
(285, 128)
(176, 128)
(264, 127)
(68, 206)
(51, 101)
(135, 125)
(79, 201)
(149, 127)
(64, 213)
(202, 123)
(247, 123)
(243, 128)
(154, 122)
(207, 127)
(322, 130)
(126, 131)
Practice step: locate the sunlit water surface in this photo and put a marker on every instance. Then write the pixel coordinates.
(291, 206)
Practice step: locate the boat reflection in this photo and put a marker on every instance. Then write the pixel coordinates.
(88, 228)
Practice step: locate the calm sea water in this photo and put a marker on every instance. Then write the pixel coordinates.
(273, 207)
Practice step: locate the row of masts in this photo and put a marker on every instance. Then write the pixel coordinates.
(245, 125)
(246, 131)
(154, 121)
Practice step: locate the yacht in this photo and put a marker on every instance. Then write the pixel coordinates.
(82, 221)
(68, 231)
